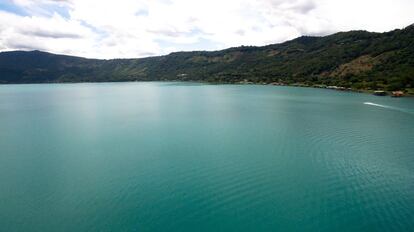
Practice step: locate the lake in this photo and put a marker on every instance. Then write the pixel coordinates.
(165, 156)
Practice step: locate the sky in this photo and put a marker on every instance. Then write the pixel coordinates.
(140, 28)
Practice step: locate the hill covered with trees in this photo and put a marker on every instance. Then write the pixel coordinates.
(355, 59)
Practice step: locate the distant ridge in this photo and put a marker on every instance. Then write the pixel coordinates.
(357, 59)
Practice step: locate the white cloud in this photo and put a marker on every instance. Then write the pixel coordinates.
(20, 32)
(133, 28)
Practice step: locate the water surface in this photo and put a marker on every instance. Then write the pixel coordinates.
(194, 157)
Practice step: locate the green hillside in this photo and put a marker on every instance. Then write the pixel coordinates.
(356, 59)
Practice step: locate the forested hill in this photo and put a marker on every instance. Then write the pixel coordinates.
(357, 59)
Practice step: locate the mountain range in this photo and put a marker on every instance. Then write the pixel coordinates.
(354, 59)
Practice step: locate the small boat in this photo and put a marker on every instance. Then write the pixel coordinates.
(380, 93)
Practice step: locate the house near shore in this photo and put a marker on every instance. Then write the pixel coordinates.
(337, 87)
(397, 94)
(276, 83)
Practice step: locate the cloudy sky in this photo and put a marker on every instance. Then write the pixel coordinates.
(139, 28)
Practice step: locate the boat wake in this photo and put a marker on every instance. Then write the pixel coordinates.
(374, 104)
(387, 107)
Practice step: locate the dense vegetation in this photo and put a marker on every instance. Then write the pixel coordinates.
(356, 59)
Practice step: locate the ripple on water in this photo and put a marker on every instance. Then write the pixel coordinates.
(178, 157)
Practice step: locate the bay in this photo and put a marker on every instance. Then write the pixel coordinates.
(172, 156)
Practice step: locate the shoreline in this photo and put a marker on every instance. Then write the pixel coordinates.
(301, 85)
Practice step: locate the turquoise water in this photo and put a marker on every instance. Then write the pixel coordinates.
(193, 157)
